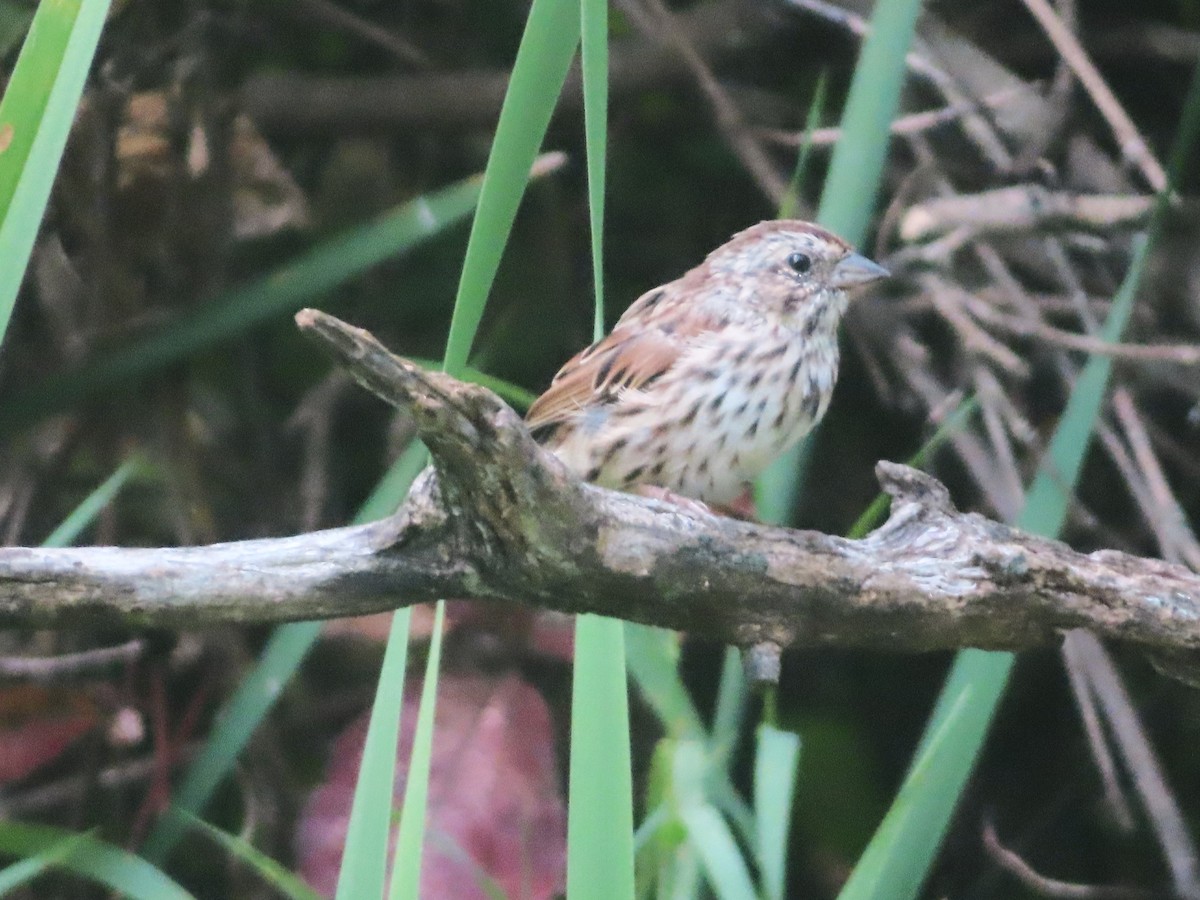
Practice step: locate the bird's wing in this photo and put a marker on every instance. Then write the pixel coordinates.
(626, 359)
(646, 343)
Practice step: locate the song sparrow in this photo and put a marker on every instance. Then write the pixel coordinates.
(704, 381)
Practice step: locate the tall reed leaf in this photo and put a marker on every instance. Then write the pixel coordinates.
(952, 424)
(724, 866)
(547, 48)
(26, 870)
(776, 757)
(897, 860)
(85, 513)
(593, 28)
(364, 858)
(600, 808)
(856, 168)
(35, 118)
(283, 880)
(89, 858)
(406, 869)
(776, 489)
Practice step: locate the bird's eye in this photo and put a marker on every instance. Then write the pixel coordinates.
(799, 263)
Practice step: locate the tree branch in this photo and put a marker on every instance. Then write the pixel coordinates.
(501, 519)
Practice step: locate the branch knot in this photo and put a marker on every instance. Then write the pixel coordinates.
(905, 484)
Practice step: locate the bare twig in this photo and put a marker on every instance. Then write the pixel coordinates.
(1177, 354)
(1012, 863)
(1133, 146)
(946, 299)
(313, 419)
(1023, 209)
(660, 23)
(1176, 539)
(46, 668)
(14, 803)
(913, 123)
(1166, 819)
(920, 64)
(970, 449)
(1115, 796)
(994, 404)
(1139, 40)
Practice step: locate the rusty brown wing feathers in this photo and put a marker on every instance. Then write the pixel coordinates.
(641, 348)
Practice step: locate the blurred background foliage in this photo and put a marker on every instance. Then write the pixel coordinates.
(220, 142)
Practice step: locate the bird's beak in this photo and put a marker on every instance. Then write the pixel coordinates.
(855, 270)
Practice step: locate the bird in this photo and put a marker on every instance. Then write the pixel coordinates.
(704, 381)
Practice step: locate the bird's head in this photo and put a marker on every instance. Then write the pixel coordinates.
(792, 271)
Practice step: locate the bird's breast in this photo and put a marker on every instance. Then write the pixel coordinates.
(720, 416)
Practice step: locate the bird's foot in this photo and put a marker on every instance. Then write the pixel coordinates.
(654, 492)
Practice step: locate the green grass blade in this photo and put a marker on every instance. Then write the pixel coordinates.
(489, 886)
(35, 119)
(364, 859)
(510, 393)
(85, 513)
(406, 868)
(722, 793)
(732, 695)
(600, 811)
(92, 859)
(551, 35)
(848, 196)
(855, 170)
(276, 875)
(816, 110)
(856, 167)
(653, 658)
(775, 760)
(593, 28)
(258, 691)
(776, 489)
(664, 859)
(394, 484)
(547, 47)
(724, 865)
(24, 871)
(1049, 496)
(897, 859)
(286, 289)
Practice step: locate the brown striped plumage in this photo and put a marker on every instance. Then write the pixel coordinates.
(704, 381)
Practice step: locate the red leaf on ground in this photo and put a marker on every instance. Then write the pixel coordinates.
(495, 802)
(37, 725)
